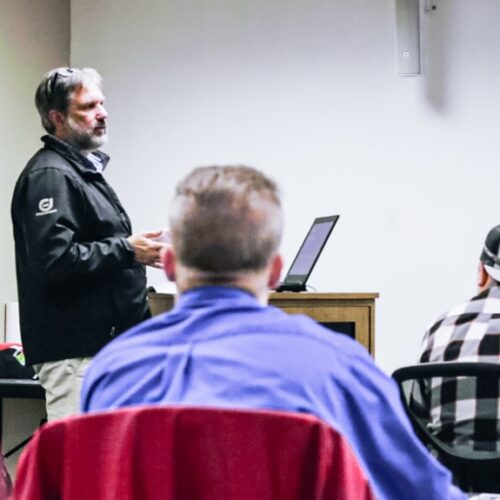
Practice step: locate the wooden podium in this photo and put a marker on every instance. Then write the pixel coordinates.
(349, 313)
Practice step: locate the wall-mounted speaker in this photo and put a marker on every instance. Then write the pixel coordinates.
(408, 37)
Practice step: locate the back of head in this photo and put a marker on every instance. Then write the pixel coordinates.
(226, 220)
(490, 256)
(56, 89)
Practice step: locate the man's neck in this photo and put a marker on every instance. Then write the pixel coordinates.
(254, 283)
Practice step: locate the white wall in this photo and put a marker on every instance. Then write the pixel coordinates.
(34, 37)
(308, 91)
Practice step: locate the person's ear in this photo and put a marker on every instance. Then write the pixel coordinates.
(169, 262)
(57, 118)
(275, 274)
(482, 276)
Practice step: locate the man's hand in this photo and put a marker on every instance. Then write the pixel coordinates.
(147, 251)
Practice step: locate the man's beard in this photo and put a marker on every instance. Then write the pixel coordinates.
(85, 139)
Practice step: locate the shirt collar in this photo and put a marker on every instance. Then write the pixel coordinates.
(62, 147)
(96, 161)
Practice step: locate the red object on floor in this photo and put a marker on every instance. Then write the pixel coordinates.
(185, 453)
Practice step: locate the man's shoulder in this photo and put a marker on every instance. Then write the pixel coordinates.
(482, 308)
(461, 330)
(46, 161)
(47, 158)
(277, 329)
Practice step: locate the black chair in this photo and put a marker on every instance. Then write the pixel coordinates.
(473, 470)
(18, 389)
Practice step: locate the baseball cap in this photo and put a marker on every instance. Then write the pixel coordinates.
(490, 256)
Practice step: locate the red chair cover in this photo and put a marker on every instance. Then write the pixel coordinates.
(5, 481)
(188, 453)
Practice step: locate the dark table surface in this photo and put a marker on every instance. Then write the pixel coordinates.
(21, 388)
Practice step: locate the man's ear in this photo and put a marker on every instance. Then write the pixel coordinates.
(482, 276)
(169, 262)
(57, 118)
(275, 274)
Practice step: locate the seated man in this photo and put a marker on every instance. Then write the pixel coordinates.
(223, 346)
(463, 413)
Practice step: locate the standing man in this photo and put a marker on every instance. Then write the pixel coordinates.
(462, 412)
(223, 346)
(80, 273)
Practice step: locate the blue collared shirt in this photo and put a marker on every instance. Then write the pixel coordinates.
(220, 347)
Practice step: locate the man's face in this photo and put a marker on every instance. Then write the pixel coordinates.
(85, 123)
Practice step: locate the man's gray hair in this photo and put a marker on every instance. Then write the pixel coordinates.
(226, 220)
(56, 89)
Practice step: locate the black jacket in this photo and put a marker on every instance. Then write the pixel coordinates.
(78, 285)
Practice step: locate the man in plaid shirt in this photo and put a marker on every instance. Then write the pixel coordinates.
(462, 412)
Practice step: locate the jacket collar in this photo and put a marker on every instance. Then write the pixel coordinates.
(73, 155)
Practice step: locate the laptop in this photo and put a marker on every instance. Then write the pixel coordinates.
(311, 248)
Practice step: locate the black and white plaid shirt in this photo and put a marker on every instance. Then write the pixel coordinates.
(462, 412)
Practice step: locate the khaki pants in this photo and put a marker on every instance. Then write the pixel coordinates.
(62, 381)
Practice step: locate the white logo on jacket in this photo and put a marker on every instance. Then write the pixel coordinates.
(46, 206)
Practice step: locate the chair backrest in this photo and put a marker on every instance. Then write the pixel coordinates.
(189, 453)
(472, 470)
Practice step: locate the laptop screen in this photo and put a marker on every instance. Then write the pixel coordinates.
(309, 252)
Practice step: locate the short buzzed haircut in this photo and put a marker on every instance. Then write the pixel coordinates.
(56, 89)
(226, 220)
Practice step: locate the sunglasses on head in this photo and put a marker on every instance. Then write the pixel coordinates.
(60, 73)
